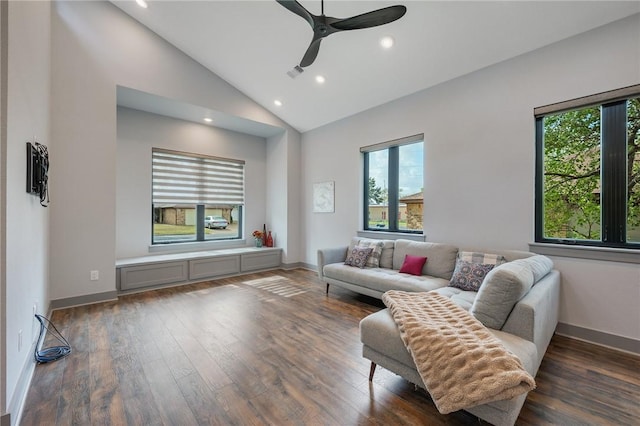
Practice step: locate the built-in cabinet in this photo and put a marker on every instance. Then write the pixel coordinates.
(151, 271)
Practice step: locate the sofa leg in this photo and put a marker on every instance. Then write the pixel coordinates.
(327, 288)
(372, 370)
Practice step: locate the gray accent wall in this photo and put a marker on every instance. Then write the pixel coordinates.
(479, 163)
(24, 267)
(97, 49)
(138, 133)
(283, 193)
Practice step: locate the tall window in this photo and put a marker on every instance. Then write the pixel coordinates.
(588, 171)
(393, 190)
(196, 197)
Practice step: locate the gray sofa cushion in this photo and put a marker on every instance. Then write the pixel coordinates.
(380, 332)
(499, 292)
(441, 258)
(380, 279)
(539, 265)
(462, 298)
(523, 349)
(386, 259)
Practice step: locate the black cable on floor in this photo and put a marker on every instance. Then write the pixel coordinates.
(52, 353)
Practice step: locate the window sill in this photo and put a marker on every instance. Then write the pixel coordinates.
(193, 255)
(586, 252)
(386, 235)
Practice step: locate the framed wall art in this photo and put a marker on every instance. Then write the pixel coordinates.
(323, 197)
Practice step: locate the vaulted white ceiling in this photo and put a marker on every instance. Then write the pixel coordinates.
(252, 45)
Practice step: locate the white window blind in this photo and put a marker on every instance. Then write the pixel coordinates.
(188, 179)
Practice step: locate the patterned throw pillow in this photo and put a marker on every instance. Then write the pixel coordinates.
(487, 258)
(376, 245)
(468, 276)
(358, 256)
(472, 267)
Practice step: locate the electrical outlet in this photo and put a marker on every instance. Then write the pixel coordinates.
(95, 275)
(19, 340)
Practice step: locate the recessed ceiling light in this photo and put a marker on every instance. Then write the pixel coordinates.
(387, 42)
(142, 3)
(277, 102)
(208, 120)
(320, 79)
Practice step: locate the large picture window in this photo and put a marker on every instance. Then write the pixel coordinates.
(393, 190)
(588, 171)
(196, 197)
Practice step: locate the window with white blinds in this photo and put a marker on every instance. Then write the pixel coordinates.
(188, 179)
(195, 197)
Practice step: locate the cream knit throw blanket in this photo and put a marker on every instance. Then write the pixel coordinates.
(460, 362)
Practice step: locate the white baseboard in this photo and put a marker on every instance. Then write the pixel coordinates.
(19, 397)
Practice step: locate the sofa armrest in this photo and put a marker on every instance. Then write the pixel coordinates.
(330, 255)
(535, 316)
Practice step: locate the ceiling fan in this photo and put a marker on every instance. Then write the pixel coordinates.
(324, 26)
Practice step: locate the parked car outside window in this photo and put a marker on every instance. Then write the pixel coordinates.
(215, 222)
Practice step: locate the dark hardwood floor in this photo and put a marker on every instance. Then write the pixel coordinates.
(272, 348)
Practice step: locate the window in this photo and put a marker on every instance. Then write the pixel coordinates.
(196, 197)
(588, 171)
(393, 190)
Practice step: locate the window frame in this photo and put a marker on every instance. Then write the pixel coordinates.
(613, 152)
(200, 207)
(393, 195)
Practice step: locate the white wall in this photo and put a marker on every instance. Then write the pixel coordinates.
(27, 223)
(283, 203)
(479, 162)
(600, 296)
(138, 133)
(96, 48)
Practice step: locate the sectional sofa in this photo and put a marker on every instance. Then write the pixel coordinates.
(518, 301)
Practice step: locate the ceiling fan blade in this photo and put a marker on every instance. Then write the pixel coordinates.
(311, 53)
(371, 19)
(298, 9)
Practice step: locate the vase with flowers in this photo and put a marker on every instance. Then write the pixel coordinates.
(257, 236)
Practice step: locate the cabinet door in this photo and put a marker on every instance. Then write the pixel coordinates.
(261, 260)
(214, 267)
(132, 277)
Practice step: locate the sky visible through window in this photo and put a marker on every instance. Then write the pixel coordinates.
(411, 168)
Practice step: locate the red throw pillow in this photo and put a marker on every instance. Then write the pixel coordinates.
(413, 264)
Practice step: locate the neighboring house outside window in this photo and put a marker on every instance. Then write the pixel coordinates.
(588, 171)
(393, 190)
(196, 197)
